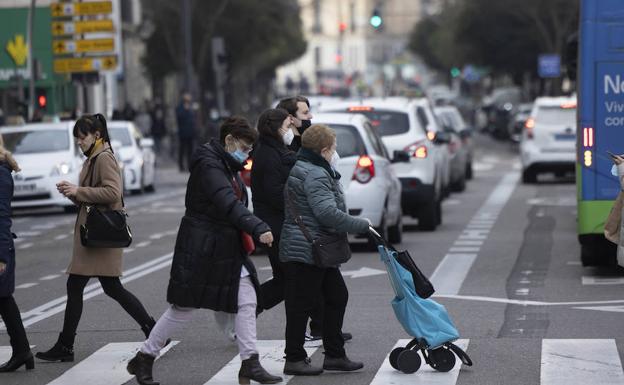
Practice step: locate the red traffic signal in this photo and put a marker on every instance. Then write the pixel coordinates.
(42, 100)
(342, 26)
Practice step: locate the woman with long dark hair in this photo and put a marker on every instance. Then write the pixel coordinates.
(8, 308)
(101, 185)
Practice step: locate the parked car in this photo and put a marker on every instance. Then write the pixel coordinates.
(549, 139)
(516, 124)
(136, 154)
(47, 154)
(410, 125)
(460, 146)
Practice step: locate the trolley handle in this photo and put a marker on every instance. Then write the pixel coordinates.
(379, 241)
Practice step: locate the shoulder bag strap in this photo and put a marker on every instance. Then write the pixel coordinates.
(296, 216)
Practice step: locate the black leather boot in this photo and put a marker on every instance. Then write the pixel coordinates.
(343, 364)
(252, 370)
(59, 352)
(141, 367)
(17, 360)
(301, 368)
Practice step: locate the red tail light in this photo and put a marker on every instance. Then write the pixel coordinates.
(246, 173)
(364, 170)
(417, 150)
(529, 126)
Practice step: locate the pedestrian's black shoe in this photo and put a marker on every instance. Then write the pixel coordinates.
(16, 362)
(141, 367)
(301, 368)
(59, 352)
(315, 337)
(252, 370)
(347, 336)
(343, 364)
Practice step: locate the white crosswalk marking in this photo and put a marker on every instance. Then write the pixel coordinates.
(580, 361)
(271, 357)
(425, 375)
(107, 366)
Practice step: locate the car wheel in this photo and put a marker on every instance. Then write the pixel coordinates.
(460, 185)
(428, 216)
(439, 212)
(529, 176)
(150, 188)
(395, 233)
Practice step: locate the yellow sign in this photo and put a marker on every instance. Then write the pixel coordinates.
(18, 50)
(86, 64)
(60, 47)
(60, 28)
(81, 9)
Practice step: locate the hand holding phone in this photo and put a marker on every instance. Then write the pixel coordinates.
(612, 155)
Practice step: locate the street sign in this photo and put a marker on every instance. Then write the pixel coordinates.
(81, 9)
(60, 47)
(549, 66)
(60, 28)
(86, 64)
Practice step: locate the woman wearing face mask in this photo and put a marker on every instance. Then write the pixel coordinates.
(101, 185)
(316, 194)
(211, 267)
(272, 163)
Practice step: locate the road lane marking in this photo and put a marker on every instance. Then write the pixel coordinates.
(44, 226)
(468, 243)
(611, 309)
(143, 244)
(425, 375)
(602, 281)
(362, 272)
(450, 274)
(107, 366)
(49, 277)
(271, 354)
(479, 298)
(61, 237)
(26, 285)
(25, 246)
(464, 249)
(28, 234)
(580, 361)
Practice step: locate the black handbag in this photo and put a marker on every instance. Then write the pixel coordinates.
(329, 250)
(105, 228)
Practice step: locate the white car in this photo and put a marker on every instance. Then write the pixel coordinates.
(47, 154)
(548, 143)
(372, 189)
(136, 156)
(409, 125)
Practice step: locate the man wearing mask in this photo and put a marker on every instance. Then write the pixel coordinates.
(299, 109)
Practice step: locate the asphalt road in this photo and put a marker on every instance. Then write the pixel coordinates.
(505, 263)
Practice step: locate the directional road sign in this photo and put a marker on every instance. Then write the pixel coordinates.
(81, 9)
(86, 64)
(61, 28)
(60, 47)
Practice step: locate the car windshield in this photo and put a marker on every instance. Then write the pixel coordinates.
(387, 122)
(555, 115)
(120, 134)
(348, 141)
(35, 142)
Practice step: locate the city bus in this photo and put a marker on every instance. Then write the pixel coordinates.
(600, 84)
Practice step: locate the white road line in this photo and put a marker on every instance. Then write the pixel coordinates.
(478, 298)
(49, 277)
(61, 237)
(450, 274)
(468, 243)
(602, 281)
(464, 249)
(580, 361)
(425, 375)
(26, 285)
(107, 366)
(574, 263)
(451, 202)
(28, 234)
(44, 226)
(25, 246)
(271, 357)
(142, 244)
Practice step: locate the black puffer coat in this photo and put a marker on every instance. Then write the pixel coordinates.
(7, 249)
(208, 253)
(272, 164)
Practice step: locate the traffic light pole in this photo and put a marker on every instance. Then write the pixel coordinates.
(30, 61)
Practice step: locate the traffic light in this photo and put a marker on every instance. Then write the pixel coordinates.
(455, 72)
(376, 20)
(42, 99)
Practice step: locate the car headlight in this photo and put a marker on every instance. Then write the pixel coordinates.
(61, 169)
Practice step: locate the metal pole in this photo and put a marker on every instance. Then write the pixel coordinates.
(188, 47)
(30, 62)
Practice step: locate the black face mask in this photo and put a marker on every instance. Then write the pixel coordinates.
(88, 152)
(305, 124)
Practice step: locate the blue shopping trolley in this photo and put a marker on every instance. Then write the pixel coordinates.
(422, 318)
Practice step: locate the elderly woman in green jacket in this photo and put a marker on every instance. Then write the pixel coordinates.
(316, 195)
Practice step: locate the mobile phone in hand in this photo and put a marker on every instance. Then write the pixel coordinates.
(612, 155)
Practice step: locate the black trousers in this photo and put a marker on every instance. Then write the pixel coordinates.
(306, 287)
(13, 321)
(185, 150)
(113, 288)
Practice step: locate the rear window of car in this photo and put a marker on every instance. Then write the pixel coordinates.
(36, 142)
(387, 122)
(348, 141)
(555, 115)
(120, 134)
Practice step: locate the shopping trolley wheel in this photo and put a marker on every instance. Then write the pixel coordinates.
(394, 356)
(442, 359)
(408, 361)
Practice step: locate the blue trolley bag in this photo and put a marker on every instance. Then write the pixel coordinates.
(424, 319)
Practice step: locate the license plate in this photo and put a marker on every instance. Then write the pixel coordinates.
(565, 137)
(25, 188)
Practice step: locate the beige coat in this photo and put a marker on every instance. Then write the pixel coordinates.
(614, 223)
(105, 192)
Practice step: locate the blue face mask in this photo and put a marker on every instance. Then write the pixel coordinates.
(614, 170)
(239, 155)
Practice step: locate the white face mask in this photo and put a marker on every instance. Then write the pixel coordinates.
(614, 170)
(288, 137)
(334, 159)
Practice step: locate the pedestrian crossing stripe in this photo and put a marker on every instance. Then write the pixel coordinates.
(106, 366)
(425, 375)
(271, 355)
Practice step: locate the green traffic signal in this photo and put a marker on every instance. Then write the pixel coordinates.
(455, 72)
(376, 21)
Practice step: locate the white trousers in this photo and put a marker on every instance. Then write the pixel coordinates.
(174, 318)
